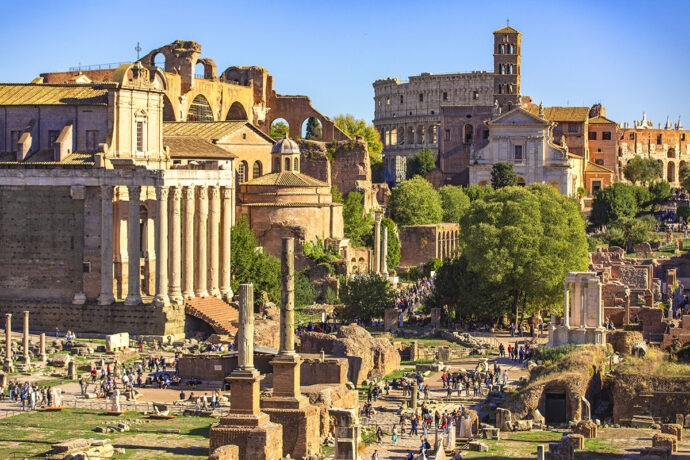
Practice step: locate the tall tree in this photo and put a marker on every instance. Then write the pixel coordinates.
(641, 170)
(314, 130)
(613, 203)
(393, 249)
(354, 127)
(454, 202)
(279, 129)
(252, 266)
(684, 176)
(366, 297)
(503, 175)
(415, 202)
(421, 164)
(357, 224)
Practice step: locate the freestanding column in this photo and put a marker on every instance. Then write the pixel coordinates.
(176, 249)
(162, 248)
(26, 337)
(245, 332)
(566, 305)
(106, 297)
(133, 247)
(9, 367)
(377, 241)
(213, 241)
(202, 246)
(384, 252)
(42, 353)
(225, 262)
(188, 264)
(287, 297)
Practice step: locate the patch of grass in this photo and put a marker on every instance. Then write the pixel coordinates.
(418, 361)
(656, 363)
(426, 342)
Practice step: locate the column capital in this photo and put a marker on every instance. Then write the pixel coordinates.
(107, 192)
(134, 189)
(176, 191)
(188, 193)
(226, 193)
(213, 192)
(202, 192)
(162, 193)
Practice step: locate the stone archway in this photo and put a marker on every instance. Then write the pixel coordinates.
(236, 112)
(200, 109)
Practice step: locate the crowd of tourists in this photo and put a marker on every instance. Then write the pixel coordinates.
(411, 296)
(29, 395)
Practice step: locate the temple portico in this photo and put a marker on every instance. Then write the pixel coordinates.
(583, 312)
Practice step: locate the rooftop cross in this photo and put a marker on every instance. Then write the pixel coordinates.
(138, 50)
(508, 22)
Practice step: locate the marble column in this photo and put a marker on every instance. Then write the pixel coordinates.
(133, 247)
(566, 305)
(162, 298)
(42, 353)
(384, 252)
(202, 243)
(245, 330)
(176, 247)
(287, 297)
(9, 367)
(377, 241)
(25, 342)
(583, 302)
(226, 222)
(188, 250)
(106, 297)
(213, 240)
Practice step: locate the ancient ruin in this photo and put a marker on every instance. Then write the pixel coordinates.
(583, 312)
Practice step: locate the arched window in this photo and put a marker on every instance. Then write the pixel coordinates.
(510, 89)
(159, 60)
(276, 165)
(287, 164)
(502, 69)
(236, 112)
(671, 176)
(501, 49)
(295, 165)
(256, 170)
(242, 172)
(510, 69)
(200, 110)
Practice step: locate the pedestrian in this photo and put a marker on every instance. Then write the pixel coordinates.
(375, 455)
(394, 435)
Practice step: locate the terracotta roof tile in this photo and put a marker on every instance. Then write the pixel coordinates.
(568, 114)
(40, 94)
(195, 147)
(287, 179)
(210, 130)
(601, 121)
(506, 30)
(593, 167)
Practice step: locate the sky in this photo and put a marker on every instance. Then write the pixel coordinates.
(631, 56)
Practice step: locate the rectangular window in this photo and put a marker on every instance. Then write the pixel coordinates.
(448, 134)
(14, 139)
(517, 152)
(658, 139)
(52, 137)
(572, 128)
(401, 99)
(592, 135)
(140, 136)
(606, 135)
(388, 101)
(421, 97)
(475, 95)
(596, 186)
(445, 96)
(91, 136)
(631, 136)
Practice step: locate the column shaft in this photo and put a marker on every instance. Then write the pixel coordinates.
(25, 342)
(202, 246)
(225, 261)
(377, 241)
(188, 253)
(175, 248)
(106, 297)
(133, 247)
(566, 305)
(384, 252)
(42, 352)
(8, 342)
(245, 332)
(287, 297)
(162, 247)
(213, 240)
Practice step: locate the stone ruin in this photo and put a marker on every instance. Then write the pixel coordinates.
(583, 312)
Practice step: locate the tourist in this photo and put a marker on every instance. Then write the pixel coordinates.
(375, 455)
(394, 435)
(379, 434)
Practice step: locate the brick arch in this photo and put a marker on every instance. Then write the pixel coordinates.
(189, 98)
(236, 112)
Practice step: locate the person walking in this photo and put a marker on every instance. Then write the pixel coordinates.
(394, 435)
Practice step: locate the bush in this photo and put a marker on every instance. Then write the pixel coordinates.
(614, 202)
(432, 266)
(330, 297)
(366, 297)
(305, 294)
(551, 354)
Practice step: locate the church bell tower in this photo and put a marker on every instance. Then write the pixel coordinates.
(507, 49)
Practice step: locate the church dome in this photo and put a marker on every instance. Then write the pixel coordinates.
(285, 146)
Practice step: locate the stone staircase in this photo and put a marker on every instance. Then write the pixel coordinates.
(213, 311)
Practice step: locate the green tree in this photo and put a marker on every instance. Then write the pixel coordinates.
(421, 164)
(612, 203)
(354, 127)
(305, 294)
(684, 176)
(659, 191)
(415, 202)
(366, 297)
(454, 202)
(337, 197)
(393, 254)
(477, 192)
(252, 266)
(313, 131)
(279, 129)
(503, 175)
(641, 170)
(357, 224)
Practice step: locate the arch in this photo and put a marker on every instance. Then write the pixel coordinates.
(200, 109)
(158, 60)
(410, 135)
(312, 129)
(295, 164)
(287, 164)
(671, 153)
(168, 111)
(468, 133)
(236, 112)
(242, 172)
(276, 165)
(257, 169)
(420, 134)
(199, 70)
(510, 104)
(401, 135)
(671, 175)
(280, 128)
(521, 181)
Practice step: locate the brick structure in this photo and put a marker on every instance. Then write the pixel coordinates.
(665, 440)
(673, 429)
(421, 243)
(602, 140)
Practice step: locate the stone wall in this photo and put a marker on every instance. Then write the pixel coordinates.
(662, 397)
(623, 341)
(421, 243)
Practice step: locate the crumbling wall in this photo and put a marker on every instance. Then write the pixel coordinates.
(640, 394)
(623, 341)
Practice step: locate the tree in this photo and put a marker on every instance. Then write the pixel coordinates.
(314, 130)
(503, 175)
(252, 266)
(279, 129)
(641, 170)
(477, 192)
(336, 196)
(612, 203)
(684, 176)
(357, 225)
(354, 127)
(393, 254)
(421, 164)
(415, 202)
(659, 192)
(305, 294)
(366, 296)
(454, 202)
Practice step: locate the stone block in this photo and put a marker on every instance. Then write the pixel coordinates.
(680, 420)
(673, 429)
(522, 425)
(587, 429)
(577, 441)
(116, 342)
(492, 433)
(655, 453)
(60, 360)
(229, 452)
(687, 421)
(263, 442)
(478, 446)
(665, 440)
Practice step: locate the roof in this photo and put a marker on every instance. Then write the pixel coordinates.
(570, 114)
(45, 158)
(287, 179)
(195, 147)
(40, 94)
(506, 30)
(595, 168)
(601, 121)
(285, 146)
(209, 130)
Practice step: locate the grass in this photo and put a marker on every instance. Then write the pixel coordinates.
(426, 342)
(656, 363)
(419, 361)
(302, 318)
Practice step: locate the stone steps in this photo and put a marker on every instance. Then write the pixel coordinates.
(213, 311)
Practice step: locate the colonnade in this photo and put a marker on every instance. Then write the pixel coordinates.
(192, 240)
(414, 134)
(447, 242)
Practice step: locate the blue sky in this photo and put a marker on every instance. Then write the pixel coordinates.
(629, 55)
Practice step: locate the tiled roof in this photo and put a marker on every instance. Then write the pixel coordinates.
(195, 147)
(210, 130)
(40, 94)
(289, 205)
(287, 179)
(601, 121)
(45, 158)
(595, 168)
(506, 30)
(568, 114)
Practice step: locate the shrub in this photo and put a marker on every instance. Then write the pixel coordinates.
(551, 354)
(305, 294)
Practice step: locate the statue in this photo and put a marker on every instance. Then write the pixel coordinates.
(56, 396)
(497, 109)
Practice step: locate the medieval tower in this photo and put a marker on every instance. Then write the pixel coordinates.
(507, 67)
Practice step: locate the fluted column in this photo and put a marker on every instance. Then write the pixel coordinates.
(25, 343)
(225, 261)
(106, 297)
(377, 241)
(162, 248)
(213, 240)
(202, 243)
(176, 247)
(188, 252)
(384, 252)
(133, 247)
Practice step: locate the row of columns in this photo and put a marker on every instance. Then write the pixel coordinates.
(9, 364)
(380, 262)
(192, 243)
(419, 135)
(447, 243)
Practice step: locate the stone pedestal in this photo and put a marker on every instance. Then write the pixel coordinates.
(436, 319)
(390, 320)
(72, 370)
(413, 396)
(347, 434)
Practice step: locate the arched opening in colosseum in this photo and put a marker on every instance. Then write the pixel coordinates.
(410, 135)
(200, 110)
(312, 129)
(159, 60)
(280, 128)
(168, 111)
(671, 153)
(257, 169)
(401, 136)
(671, 176)
(392, 136)
(236, 112)
(420, 134)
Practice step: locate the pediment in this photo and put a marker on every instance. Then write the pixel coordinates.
(518, 116)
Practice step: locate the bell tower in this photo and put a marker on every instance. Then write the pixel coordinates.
(507, 49)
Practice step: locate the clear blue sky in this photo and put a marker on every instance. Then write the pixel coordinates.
(629, 55)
